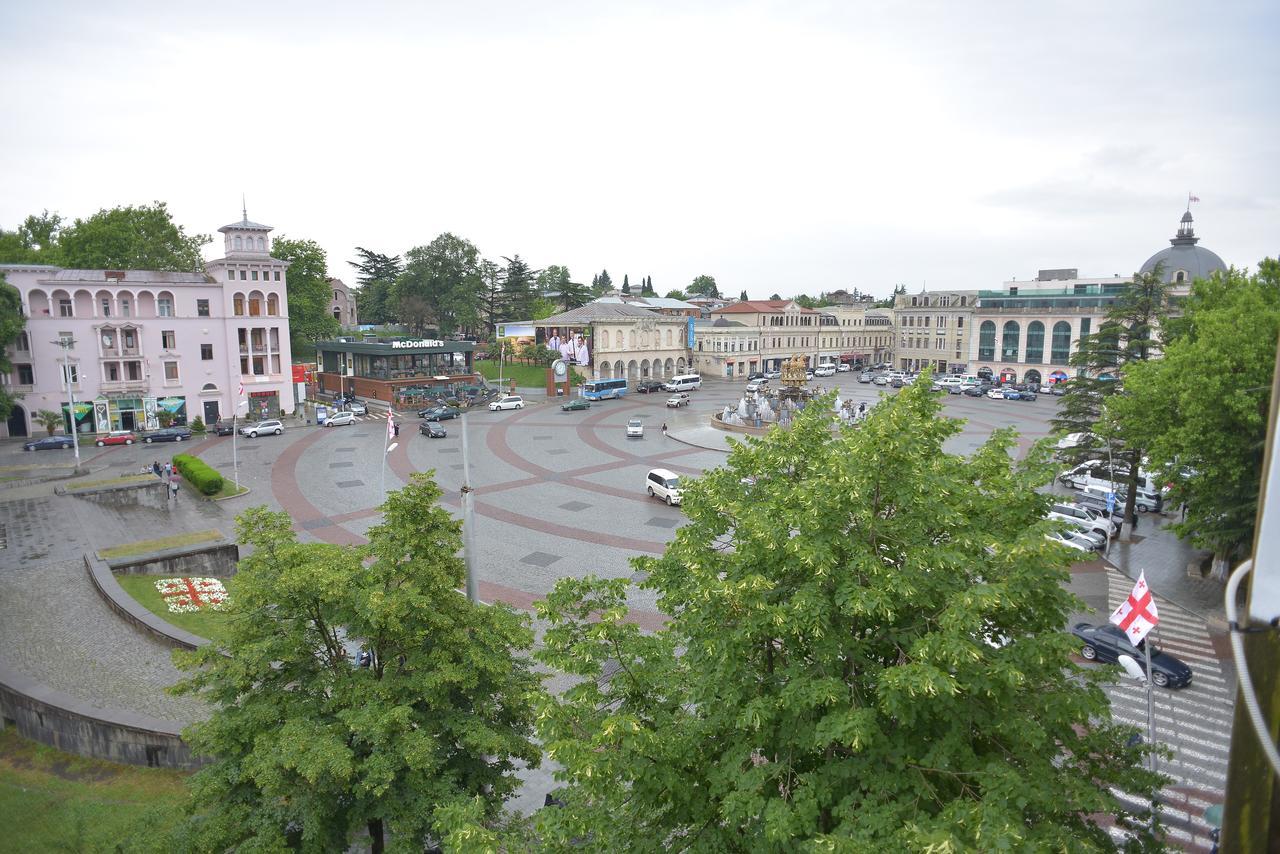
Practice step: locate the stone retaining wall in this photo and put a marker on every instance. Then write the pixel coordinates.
(152, 493)
(132, 611)
(217, 558)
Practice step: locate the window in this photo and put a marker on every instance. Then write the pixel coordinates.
(168, 340)
(202, 307)
(277, 275)
(24, 343)
(171, 372)
(254, 275)
(1180, 277)
(231, 275)
(1009, 341)
(262, 245)
(237, 305)
(64, 307)
(67, 340)
(959, 323)
(1084, 325)
(26, 376)
(164, 307)
(244, 274)
(106, 307)
(71, 371)
(239, 243)
(129, 340)
(108, 341)
(987, 341)
(1061, 345)
(1035, 342)
(273, 305)
(1013, 291)
(206, 352)
(335, 296)
(113, 371)
(124, 307)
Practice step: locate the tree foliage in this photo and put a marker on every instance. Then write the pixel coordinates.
(1202, 407)
(556, 284)
(743, 296)
(518, 288)
(677, 294)
(602, 283)
(130, 238)
(307, 289)
(626, 284)
(33, 242)
(308, 747)
(704, 286)
(445, 276)
(376, 275)
(489, 302)
(864, 652)
(12, 322)
(887, 302)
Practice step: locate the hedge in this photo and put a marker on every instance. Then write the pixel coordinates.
(198, 473)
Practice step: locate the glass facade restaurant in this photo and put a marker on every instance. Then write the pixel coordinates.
(380, 369)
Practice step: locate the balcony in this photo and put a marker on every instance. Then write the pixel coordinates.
(125, 387)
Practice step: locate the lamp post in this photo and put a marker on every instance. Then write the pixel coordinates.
(468, 517)
(386, 454)
(66, 344)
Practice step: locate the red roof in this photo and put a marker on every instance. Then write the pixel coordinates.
(758, 306)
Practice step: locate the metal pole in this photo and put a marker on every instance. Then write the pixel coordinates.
(468, 517)
(71, 395)
(1151, 714)
(235, 460)
(386, 447)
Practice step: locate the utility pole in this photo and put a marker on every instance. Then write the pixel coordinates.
(468, 517)
(66, 344)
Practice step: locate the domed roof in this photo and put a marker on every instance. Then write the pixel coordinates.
(1183, 255)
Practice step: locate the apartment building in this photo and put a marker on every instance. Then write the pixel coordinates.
(933, 329)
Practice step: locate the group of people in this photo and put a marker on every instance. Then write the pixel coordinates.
(169, 475)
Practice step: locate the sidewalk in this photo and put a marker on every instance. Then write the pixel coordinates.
(1164, 558)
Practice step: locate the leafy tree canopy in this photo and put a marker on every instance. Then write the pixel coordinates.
(443, 277)
(865, 652)
(556, 284)
(677, 294)
(626, 284)
(33, 242)
(774, 297)
(705, 286)
(376, 274)
(743, 296)
(1202, 407)
(308, 289)
(519, 288)
(130, 238)
(309, 747)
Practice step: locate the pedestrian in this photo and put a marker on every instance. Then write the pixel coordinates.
(173, 488)
(168, 470)
(396, 428)
(664, 428)
(155, 467)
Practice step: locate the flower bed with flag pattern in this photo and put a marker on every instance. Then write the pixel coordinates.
(187, 595)
(207, 622)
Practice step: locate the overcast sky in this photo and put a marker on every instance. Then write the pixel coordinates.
(793, 146)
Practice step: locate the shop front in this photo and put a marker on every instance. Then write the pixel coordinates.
(264, 404)
(391, 370)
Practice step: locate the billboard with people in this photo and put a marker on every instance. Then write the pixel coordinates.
(572, 344)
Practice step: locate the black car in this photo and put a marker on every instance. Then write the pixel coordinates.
(432, 429)
(756, 376)
(979, 390)
(167, 434)
(439, 413)
(225, 427)
(647, 386)
(1108, 643)
(48, 443)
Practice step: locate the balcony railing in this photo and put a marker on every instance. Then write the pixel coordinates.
(125, 386)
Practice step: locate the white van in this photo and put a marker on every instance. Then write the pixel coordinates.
(684, 382)
(664, 484)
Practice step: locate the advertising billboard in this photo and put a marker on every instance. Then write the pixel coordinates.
(572, 343)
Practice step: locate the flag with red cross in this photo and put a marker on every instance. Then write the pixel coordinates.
(1137, 615)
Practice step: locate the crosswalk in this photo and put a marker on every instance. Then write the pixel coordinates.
(1194, 723)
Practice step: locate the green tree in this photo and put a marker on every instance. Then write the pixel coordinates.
(1202, 407)
(677, 294)
(1128, 334)
(376, 275)
(604, 283)
(130, 238)
(445, 275)
(50, 420)
(490, 304)
(556, 284)
(858, 657)
(308, 747)
(518, 288)
(887, 302)
(626, 284)
(646, 287)
(775, 297)
(704, 286)
(308, 290)
(541, 308)
(33, 242)
(743, 296)
(12, 322)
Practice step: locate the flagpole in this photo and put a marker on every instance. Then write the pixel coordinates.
(1151, 714)
(235, 460)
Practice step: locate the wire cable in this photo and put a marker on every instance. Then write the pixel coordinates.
(1242, 668)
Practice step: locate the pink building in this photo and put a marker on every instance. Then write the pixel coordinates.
(135, 342)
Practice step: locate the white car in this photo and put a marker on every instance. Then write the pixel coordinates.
(664, 484)
(510, 401)
(880, 379)
(825, 371)
(635, 429)
(1070, 541)
(772, 375)
(758, 385)
(844, 367)
(338, 419)
(357, 408)
(678, 400)
(995, 394)
(262, 428)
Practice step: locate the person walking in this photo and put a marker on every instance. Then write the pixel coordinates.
(664, 429)
(155, 467)
(173, 488)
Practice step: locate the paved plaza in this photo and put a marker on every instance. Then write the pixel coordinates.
(557, 494)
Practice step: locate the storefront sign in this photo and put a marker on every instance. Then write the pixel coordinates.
(413, 345)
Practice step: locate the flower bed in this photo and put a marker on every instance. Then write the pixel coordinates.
(188, 595)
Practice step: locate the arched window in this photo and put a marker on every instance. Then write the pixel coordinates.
(262, 245)
(987, 341)
(273, 305)
(1035, 342)
(1009, 341)
(668, 337)
(237, 305)
(631, 339)
(1061, 345)
(208, 387)
(1181, 277)
(239, 244)
(617, 340)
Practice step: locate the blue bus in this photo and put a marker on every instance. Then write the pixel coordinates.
(604, 389)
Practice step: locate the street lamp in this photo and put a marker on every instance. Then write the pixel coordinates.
(66, 344)
(468, 516)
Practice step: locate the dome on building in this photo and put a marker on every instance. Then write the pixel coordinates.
(1184, 261)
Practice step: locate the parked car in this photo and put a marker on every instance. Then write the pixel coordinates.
(48, 443)
(1070, 540)
(664, 484)
(773, 375)
(357, 407)
(338, 419)
(578, 403)
(647, 386)
(808, 375)
(635, 429)
(678, 400)
(1059, 389)
(507, 401)
(995, 393)
(825, 371)
(432, 429)
(759, 385)
(1024, 394)
(167, 434)
(756, 376)
(262, 428)
(117, 437)
(1107, 643)
(844, 367)
(224, 427)
(881, 379)
(439, 413)
(1091, 519)
(864, 377)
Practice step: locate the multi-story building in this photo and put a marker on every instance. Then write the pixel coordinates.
(933, 329)
(725, 348)
(1027, 331)
(615, 339)
(343, 304)
(854, 333)
(865, 332)
(135, 342)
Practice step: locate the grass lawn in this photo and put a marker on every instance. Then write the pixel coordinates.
(55, 801)
(228, 489)
(527, 376)
(144, 546)
(206, 624)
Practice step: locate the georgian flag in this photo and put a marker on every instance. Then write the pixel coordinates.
(391, 426)
(1192, 199)
(1137, 615)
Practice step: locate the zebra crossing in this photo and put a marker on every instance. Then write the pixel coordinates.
(1194, 722)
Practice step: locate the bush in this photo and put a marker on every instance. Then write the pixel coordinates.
(199, 473)
(197, 426)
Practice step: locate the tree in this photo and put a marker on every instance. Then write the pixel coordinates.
(518, 288)
(541, 308)
(308, 747)
(445, 275)
(1201, 409)
(307, 290)
(704, 286)
(775, 297)
(604, 282)
(677, 294)
(743, 296)
(1129, 333)
(887, 302)
(50, 420)
(130, 238)
(490, 303)
(626, 284)
(858, 657)
(34, 242)
(375, 275)
(12, 322)
(556, 284)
